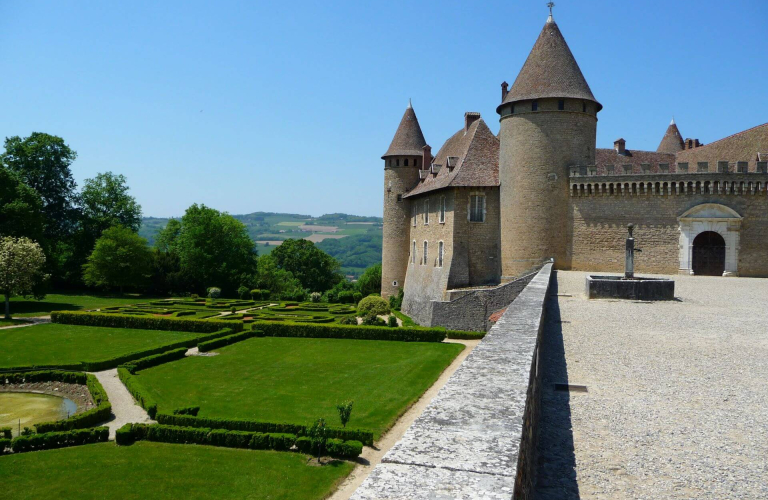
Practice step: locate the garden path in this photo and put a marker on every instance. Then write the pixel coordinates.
(124, 408)
(371, 457)
(37, 320)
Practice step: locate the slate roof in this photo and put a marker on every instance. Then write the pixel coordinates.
(408, 139)
(477, 161)
(605, 157)
(550, 71)
(743, 146)
(672, 142)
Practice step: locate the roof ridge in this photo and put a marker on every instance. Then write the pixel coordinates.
(729, 137)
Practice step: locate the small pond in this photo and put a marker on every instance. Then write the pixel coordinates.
(32, 408)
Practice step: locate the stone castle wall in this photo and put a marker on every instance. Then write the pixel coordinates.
(537, 147)
(598, 220)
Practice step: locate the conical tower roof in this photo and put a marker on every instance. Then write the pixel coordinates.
(550, 71)
(408, 139)
(672, 141)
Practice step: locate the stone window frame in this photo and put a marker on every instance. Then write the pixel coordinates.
(664, 168)
(426, 212)
(722, 166)
(440, 253)
(414, 213)
(441, 211)
(742, 167)
(610, 169)
(702, 167)
(682, 167)
(484, 210)
(425, 247)
(413, 253)
(646, 168)
(627, 168)
(762, 167)
(405, 162)
(399, 197)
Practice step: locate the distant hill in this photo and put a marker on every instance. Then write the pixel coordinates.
(354, 240)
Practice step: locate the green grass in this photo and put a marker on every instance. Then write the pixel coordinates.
(11, 322)
(149, 471)
(300, 380)
(60, 344)
(21, 307)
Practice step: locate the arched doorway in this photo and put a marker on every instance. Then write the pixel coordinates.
(708, 254)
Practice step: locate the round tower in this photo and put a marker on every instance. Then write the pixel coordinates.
(548, 124)
(402, 163)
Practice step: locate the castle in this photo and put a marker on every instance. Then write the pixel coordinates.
(487, 209)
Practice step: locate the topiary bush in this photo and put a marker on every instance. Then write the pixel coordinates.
(214, 292)
(373, 304)
(243, 292)
(373, 320)
(348, 320)
(392, 321)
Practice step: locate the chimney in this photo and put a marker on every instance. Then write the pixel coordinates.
(619, 146)
(470, 117)
(504, 90)
(426, 156)
(696, 143)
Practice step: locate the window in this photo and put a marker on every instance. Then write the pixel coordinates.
(646, 168)
(512, 110)
(627, 169)
(413, 252)
(702, 166)
(413, 216)
(415, 162)
(394, 283)
(535, 106)
(682, 167)
(583, 107)
(440, 249)
(762, 166)
(405, 162)
(426, 253)
(477, 208)
(397, 162)
(592, 170)
(722, 166)
(561, 105)
(742, 167)
(664, 168)
(426, 212)
(399, 197)
(609, 169)
(441, 219)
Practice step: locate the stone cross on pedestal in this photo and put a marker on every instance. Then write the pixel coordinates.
(629, 260)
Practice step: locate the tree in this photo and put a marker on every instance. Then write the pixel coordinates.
(21, 268)
(214, 247)
(315, 269)
(106, 203)
(168, 237)
(345, 411)
(120, 258)
(370, 280)
(281, 283)
(42, 162)
(20, 207)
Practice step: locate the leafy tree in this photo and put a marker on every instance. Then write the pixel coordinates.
(315, 269)
(373, 304)
(214, 247)
(106, 203)
(243, 292)
(20, 207)
(42, 162)
(370, 281)
(167, 237)
(21, 268)
(319, 435)
(281, 283)
(345, 411)
(120, 258)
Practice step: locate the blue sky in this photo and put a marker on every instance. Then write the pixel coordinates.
(287, 106)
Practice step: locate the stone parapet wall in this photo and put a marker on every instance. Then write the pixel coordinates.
(477, 437)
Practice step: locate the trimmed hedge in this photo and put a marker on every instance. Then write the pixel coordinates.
(44, 376)
(366, 437)
(142, 322)
(154, 360)
(229, 439)
(229, 339)
(5, 444)
(359, 332)
(50, 440)
(5, 432)
(459, 334)
(89, 418)
(137, 391)
(333, 447)
(187, 410)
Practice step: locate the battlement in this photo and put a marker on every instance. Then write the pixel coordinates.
(753, 183)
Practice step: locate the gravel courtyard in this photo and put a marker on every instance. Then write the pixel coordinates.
(677, 401)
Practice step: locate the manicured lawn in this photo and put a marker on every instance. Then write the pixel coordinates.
(147, 471)
(21, 307)
(53, 343)
(300, 380)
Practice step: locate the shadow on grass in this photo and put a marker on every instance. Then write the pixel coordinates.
(556, 464)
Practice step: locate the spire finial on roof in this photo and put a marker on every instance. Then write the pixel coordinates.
(550, 5)
(673, 120)
(409, 103)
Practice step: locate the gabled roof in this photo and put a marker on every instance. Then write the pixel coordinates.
(475, 152)
(408, 139)
(550, 71)
(672, 142)
(608, 156)
(743, 146)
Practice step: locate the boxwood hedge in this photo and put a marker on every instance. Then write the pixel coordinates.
(229, 339)
(137, 391)
(359, 332)
(50, 440)
(143, 322)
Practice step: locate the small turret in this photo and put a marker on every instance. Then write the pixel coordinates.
(672, 142)
(406, 155)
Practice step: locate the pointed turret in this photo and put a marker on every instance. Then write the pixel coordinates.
(408, 140)
(550, 71)
(672, 141)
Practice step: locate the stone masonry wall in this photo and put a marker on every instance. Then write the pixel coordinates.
(479, 243)
(598, 225)
(477, 437)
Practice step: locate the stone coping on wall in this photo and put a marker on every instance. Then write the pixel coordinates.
(466, 444)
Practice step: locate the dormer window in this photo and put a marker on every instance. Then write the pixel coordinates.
(561, 105)
(535, 106)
